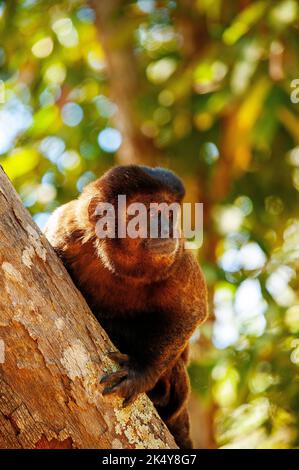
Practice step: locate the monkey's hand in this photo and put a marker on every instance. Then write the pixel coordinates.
(128, 381)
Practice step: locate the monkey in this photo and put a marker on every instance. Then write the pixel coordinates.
(149, 294)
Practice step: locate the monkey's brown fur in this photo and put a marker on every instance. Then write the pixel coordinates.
(149, 303)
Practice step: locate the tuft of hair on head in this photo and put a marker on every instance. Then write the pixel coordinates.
(167, 178)
(131, 179)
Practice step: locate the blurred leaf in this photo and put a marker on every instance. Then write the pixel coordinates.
(242, 23)
(20, 162)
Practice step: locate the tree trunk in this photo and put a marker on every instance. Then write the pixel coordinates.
(54, 352)
(116, 33)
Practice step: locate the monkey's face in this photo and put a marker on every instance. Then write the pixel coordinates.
(152, 240)
(156, 231)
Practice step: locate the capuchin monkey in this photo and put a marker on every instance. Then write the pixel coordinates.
(149, 294)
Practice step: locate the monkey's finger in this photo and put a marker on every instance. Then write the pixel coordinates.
(118, 357)
(113, 388)
(120, 374)
(127, 401)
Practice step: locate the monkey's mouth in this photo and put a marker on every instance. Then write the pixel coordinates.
(161, 245)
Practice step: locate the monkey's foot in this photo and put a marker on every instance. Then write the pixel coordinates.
(126, 382)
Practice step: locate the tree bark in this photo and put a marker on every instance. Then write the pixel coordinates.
(55, 353)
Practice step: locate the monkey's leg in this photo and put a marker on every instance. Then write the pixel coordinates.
(179, 426)
(174, 410)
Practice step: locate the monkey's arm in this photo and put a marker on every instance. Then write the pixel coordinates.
(162, 335)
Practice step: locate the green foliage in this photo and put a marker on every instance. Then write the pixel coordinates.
(214, 85)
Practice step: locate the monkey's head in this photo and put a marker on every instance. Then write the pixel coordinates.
(135, 214)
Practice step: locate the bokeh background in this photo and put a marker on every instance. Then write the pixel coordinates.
(204, 88)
